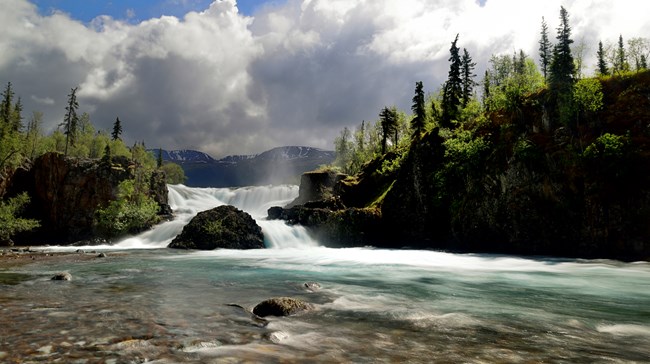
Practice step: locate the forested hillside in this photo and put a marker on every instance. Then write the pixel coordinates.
(537, 158)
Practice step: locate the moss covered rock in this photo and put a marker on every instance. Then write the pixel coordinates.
(221, 227)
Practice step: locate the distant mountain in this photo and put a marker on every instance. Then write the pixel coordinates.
(275, 166)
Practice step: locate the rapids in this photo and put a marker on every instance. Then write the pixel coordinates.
(146, 303)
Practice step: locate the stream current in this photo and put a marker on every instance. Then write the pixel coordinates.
(147, 303)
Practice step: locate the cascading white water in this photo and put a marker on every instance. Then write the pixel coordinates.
(186, 202)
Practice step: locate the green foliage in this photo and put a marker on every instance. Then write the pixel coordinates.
(9, 220)
(132, 211)
(588, 94)
(508, 81)
(174, 174)
(463, 149)
(607, 146)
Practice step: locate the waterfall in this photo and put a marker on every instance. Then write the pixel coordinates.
(186, 202)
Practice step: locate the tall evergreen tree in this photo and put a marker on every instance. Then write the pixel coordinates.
(71, 119)
(643, 62)
(17, 116)
(602, 63)
(117, 129)
(562, 66)
(467, 74)
(620, 61)
(486, 90)
(545, 50)
(159, 161)
(388, 121)
(419, 113)
(6, 105)
(453, 91)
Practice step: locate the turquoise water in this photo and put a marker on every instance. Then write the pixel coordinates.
(148, 303)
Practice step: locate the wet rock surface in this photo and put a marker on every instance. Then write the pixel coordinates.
(221, 227)
(281, 306)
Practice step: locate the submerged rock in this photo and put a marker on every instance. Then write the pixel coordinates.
(281, 306)
(312, 286)
(62, 276)
(221, 227)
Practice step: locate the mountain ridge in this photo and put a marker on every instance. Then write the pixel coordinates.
(278, 165)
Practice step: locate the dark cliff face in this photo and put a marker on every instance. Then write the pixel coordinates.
(66, 192)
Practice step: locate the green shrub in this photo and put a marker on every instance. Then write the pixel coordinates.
(132, 211)
(11, 224)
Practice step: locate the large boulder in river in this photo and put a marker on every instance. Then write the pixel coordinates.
(281, 306)
(221, 227)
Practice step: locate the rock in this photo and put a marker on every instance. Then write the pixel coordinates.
(221, 227)
(101, 255)
(65, 193)
(316, 186)
(312, 286)
(281, 306)
(62, 276)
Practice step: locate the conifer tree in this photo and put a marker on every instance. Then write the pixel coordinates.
(620, 61)
(452, 93)
(159, 161)
(643, 62)
(71, 119)
(545, 50)
(117, 129)
(468, 75)
(602, 64)
(486, 90)
(388, 120)
(17, 116)
(6, 105)
(419, 113)
(562, 66)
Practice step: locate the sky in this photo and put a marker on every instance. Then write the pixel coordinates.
(228, 77)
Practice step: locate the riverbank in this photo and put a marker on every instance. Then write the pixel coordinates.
(18, 256)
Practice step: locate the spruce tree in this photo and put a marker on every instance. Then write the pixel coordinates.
(452, 93)
(159, 161)
(562, 66)
(117, 129)
(545, 50)
(6, 105)
(643, 62)
(602, 63)
(71, 119)
(388, 121)
(468, 77)
(486, 90)
(419, 113)
(620, 61)
(17, 116)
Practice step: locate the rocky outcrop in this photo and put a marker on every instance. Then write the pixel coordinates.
(316, 186)
(221, 227)
(281, 306)
(65, 193)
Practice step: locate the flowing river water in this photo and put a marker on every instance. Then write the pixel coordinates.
(147, 303)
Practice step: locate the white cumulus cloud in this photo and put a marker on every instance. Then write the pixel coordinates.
(293, 74)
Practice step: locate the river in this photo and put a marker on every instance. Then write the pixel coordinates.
(147, 303)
